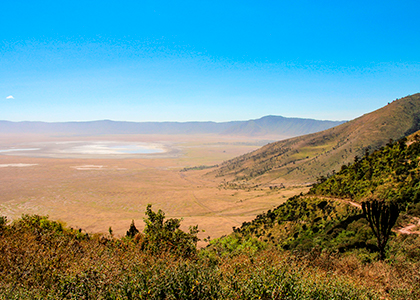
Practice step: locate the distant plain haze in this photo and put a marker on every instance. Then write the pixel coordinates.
(205, 60)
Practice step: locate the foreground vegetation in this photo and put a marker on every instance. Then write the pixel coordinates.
(42, 259)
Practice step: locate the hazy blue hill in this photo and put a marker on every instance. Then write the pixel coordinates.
(268, 125)
(250, 128)
(280, 125)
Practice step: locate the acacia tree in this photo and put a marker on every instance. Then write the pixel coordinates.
(381, 217)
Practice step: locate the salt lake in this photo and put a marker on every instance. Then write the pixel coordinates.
(81, 149)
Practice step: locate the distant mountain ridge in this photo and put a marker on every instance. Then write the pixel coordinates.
(304, 158)
(269, 125)
(280, 125)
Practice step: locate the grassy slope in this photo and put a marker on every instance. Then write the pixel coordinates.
(303, 159)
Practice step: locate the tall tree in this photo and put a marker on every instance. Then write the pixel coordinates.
(381, 217)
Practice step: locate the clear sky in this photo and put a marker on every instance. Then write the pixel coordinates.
(205, 60)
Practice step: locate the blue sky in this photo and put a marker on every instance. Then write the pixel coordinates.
(205, 60)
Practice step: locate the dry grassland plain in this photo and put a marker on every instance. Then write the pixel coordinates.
(97, 191)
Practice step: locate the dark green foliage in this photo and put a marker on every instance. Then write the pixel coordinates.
(132, 231)
(201, 167)
(302, 224)
(165, 236)
(381, 217)
(392, 173)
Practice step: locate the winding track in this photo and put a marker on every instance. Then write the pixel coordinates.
(403, 230)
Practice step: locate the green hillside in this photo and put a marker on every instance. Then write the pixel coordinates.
(391, 173)
(302, 159)
(328, 220)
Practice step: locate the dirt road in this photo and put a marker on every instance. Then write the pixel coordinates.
(408, 229)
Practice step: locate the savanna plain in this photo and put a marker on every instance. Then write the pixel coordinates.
(98, 190)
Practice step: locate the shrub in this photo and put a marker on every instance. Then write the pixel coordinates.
(162, 235)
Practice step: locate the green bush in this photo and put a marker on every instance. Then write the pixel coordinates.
(162, 235)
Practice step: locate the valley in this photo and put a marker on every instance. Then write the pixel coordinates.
(97, 190)
(91, 180)
(214, 180)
